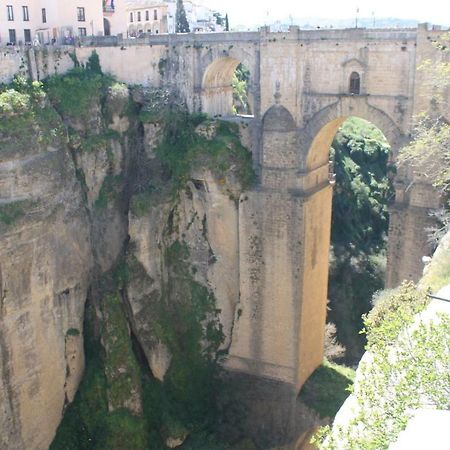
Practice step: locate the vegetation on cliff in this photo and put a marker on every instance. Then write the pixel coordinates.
(106, 412)
(189, 143)
(27, 117)
(120, 403)
(98, 417)
(407, 367)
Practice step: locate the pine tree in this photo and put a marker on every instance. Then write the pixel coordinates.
(227, 25)
(182, 25)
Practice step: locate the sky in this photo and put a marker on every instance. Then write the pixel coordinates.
(251, 12)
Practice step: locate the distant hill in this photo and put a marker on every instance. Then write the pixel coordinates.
(315, 22)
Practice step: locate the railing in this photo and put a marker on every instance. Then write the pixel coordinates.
(434, 297)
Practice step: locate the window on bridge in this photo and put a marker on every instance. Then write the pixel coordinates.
(240, 83)
(355, 83)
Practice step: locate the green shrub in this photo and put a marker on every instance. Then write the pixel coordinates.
(73, 332)
(394, 310)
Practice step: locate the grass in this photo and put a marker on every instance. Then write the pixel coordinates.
(327, 388)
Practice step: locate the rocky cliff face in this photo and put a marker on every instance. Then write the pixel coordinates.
(159, 274)
(53, 240)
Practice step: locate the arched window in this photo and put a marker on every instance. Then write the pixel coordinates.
(155, 14)
(355, 83)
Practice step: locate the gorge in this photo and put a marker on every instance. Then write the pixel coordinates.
(135, 223)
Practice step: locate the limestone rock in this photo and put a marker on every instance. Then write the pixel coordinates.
(172, 442)
(207, 129)
(45, 259)
(160, 358)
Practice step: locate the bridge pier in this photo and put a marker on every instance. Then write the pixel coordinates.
(409, 219)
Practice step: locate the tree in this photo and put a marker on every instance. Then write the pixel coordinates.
(359, 228)
(219, 18)
(227, 24)
(182, 25)
(429, 151)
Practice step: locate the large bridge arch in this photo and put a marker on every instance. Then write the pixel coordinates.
(320, 130)
(286, 228)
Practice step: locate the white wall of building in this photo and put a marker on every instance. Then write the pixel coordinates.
(61, 19)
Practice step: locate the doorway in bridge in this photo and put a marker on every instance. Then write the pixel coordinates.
(241, 95)
(360, 158)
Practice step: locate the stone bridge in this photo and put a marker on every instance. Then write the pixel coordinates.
(303, 86)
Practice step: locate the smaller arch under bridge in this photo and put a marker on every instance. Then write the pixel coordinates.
(303, 85)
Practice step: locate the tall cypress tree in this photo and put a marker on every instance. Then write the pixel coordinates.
(182, 25)
(227, 25)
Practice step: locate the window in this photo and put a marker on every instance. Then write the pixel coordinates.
(10, 12)
(27, 36)
(81, 15)
(82, 31)
(147, 15)
(26, 15)
(44, 15)
(131, 17)
(155, 14)
(12, 36)
(157, 31)
(139, 16)
(355, 83)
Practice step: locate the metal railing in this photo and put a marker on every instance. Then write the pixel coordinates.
(435, 297)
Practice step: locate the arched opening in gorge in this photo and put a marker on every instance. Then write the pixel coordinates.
(226, 88)
(360, 162)
(352, 267)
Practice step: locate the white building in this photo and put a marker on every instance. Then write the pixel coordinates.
(199, 17)
(21, 22)
(136, 17)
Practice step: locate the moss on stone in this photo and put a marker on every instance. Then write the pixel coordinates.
(121, 368)
(73, 332)
(183, 150)
(109, 192)
(11, 212)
